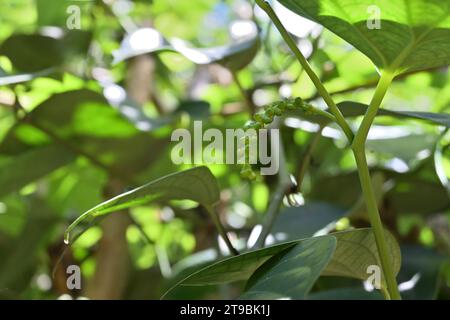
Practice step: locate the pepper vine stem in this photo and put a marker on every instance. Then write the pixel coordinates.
(357, 143)
(358, 147)
(340, 120)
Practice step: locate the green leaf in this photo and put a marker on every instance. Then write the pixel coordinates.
(234, 269)
(51, 13)
(35, 52)
(291, 273)
(406, 147)
(346, 294)
(20, 261)
(83, 118)
(354, 109)
(29, 166)
(413, 34)
(356, 250)
(196, 184)
(234, 56)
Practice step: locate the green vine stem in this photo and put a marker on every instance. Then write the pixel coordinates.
(358, 147)
(357, 142)
(340, 120)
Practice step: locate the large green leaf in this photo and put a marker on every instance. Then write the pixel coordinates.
(356, 250)
(291, 274)
(197, 184)
(346, 294)
(413, 34)
(236, 268)
(18, 171)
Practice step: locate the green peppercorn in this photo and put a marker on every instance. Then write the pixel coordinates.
(298, 102)
(278, 112)
(290, 105)
(282, 105)
(258, 117)
(251, 125)
(270, 111)
(267, 118)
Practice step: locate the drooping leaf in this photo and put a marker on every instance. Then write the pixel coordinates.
(411, 35)
(292, 273)
(356, 250)
(196, 184)
(234, 56)
(236, 268)
(29, 166)
(354, 109)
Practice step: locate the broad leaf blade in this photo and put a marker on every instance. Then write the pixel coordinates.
(235, 268)
(291, 274)
(412, 35)
(197, 184)
(356, 250)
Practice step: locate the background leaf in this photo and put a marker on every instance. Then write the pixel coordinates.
(356, 250)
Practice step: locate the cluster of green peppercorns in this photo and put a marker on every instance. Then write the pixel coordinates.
(264, 118)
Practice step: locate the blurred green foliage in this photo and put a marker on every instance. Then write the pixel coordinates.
(75, 132)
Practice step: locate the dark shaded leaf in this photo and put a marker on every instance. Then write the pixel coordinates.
(291, 273)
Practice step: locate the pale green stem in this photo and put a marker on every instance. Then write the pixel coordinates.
(340, 120)
(382, 87)
(358, 147)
